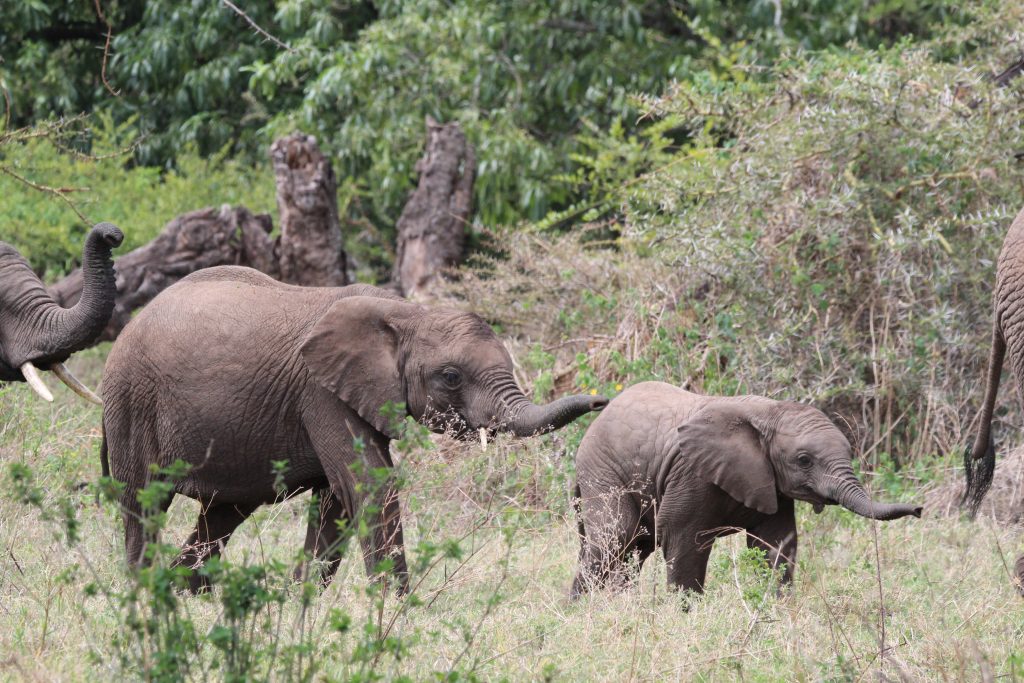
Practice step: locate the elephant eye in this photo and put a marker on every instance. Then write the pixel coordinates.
(804, 460)
(451, 377)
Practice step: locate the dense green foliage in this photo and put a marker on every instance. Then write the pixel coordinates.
(141, 200)
(524, 78)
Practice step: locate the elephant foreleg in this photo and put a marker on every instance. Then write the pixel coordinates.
(360, 479)
(776, 535)
(326, 537)
(214, 527)
(686, 557)
(383, 545)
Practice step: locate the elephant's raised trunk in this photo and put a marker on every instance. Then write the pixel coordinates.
(73, 329)
(528, 419)
(849, 493)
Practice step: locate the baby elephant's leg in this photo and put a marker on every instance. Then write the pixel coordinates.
(686, 552)
(776, 535)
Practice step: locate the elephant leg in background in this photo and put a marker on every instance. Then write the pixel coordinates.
(325, 540)
(213, 529)
(776, 535)
(334, 439)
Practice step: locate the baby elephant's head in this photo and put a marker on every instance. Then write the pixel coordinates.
(755, 449)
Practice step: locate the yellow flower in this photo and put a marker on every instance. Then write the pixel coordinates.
(593, 392)
(618, 387)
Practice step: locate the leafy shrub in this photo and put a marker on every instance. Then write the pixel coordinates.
(102, 187)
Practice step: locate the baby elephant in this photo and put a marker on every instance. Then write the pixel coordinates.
(663, 466)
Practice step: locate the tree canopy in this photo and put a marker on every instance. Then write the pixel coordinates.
(525, 79)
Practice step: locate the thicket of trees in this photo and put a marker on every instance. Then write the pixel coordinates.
(530, 82)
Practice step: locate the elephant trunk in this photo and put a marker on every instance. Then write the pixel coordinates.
(519, 415)
(73, 329)
(849, 493)
(531, 419)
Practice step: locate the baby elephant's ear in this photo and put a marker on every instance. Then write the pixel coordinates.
(353, 351)
(725, 449)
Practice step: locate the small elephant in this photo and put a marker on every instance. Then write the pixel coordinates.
(666, 467)
(1007, 335)
(230, 371)
(36, 332)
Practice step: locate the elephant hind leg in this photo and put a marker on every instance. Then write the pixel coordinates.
(140, 525)
(214, 527)
(326, 538)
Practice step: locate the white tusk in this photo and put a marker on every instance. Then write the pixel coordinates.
(34, 381)
(64, 375)
(483, 439)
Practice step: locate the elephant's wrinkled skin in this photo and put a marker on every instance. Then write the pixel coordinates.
(230, 370)
(36, 332)
(665, 467)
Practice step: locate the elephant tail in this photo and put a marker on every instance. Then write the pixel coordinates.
(980, 459)
(104, 459)
(577, 506)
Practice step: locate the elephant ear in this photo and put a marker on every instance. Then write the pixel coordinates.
(353, 352)
(725, 449)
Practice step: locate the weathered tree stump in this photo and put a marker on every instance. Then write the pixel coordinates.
(311, 252)
(195, 240)
(432, 227)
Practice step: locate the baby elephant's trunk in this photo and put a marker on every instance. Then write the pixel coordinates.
(851, 495)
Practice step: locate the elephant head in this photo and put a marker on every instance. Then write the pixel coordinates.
(36, 332)
(446, 366)
(755, 449)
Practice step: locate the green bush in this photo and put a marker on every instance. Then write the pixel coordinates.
(103, 186)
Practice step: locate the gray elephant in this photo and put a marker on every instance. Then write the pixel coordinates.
(666, 467)
(36, 332)
(1007, 334)
(229, 370)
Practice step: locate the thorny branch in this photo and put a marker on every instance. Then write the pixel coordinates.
(256, 27)
(106, 51)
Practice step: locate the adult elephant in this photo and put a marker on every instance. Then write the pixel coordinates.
(666, 467)
(1007, 335)
(36, 332)
(229, 371)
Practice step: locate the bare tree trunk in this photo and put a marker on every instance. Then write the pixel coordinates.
(312, 252)
(195, 240)
(432, 227)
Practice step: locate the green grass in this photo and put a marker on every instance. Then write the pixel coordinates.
(500, 612)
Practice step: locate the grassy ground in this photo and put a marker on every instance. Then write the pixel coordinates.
(497, 609)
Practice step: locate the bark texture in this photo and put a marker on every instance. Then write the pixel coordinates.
(195, 240)
(311, 252)
(432, 227)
